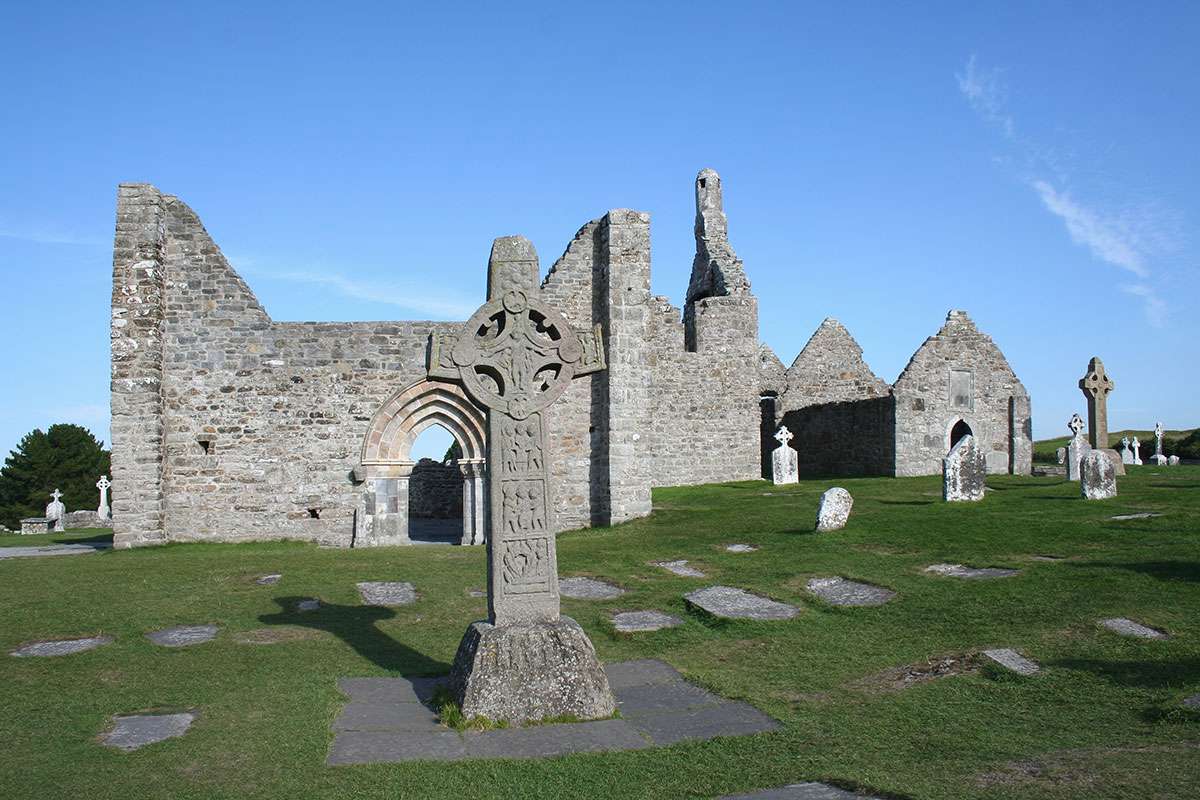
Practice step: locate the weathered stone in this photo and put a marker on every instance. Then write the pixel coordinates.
(138, 730)
(1137, 515)
(740, 548)
(841, 592)
(1173, 461)
(964, 472)
(1158, 457)
(834, 510)
(56, 512)
(36, 525)
(82, 548)
(1126, 453)
(1096, 386)
(733, 603)
(1060, 455)
(1192, 702)
(643, 621)
(269, 580)
(970, 573)
(183, 635)
(784, 463)
(801, 791)
(103, 511)
(1098, 478)
(680, 568)
(311, 604)
(60, 647)
(1077, 448)
(85, 518)
(588, 589)
(527, 671)
(1012, 660)
(1127, 627)
(1136, 447)
(385, 593)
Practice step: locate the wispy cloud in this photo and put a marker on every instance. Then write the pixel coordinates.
(399, 295)
(1129, 238)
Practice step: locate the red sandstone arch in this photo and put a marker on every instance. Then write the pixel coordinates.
(404, 415)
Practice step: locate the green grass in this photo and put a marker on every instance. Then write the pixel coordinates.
(1043, 451)
(1103, 720)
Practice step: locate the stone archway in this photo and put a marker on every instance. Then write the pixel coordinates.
(385, 463)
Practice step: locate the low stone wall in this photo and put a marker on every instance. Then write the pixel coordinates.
(85, 519)
(435, 490)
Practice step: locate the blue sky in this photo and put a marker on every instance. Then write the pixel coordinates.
(1034, 164)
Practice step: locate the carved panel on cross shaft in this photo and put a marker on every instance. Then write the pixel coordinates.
(526, 565)
(524, 509)
(522, 447)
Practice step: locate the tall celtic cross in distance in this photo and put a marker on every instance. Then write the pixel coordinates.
(516, 356)
(1096, 386)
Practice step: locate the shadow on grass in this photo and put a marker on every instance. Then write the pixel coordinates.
(355, 625)
(1187, 571)
(1146, 674)
(1175, 485)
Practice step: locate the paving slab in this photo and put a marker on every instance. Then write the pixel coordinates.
(138, 730)
(740, 548)
(542, 741)
(1138, 515)
(644, 621)
(387, 593)
(1192, 702)
(308, 605)
(679, 567)
(642, 672)
(183, 635)
(588, 589)
(635, 702)
(476, 593)
(970, 573)
(732, 603)
(77, 549)
(375, 747)
(800, 791)
(396, 717)
(1127, 627)
(269, 580)
(842, 592)
(707, 722)
(60, 647)
(1012, 660)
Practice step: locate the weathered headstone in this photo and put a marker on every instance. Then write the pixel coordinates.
(970, 573)
(1060, 456)
(516, 356)
(61, 647)
(740, 548)
(1173, 461)
(1126, 453)
(103, 511)
(1158, 457)
(56, 511)
(1077, 448)
(964, 472)
(834, 511)
(785, 462)
(1096, 386)
(1137, 451)
(1098, 478)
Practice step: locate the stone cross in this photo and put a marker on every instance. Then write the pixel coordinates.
(516, 356)
(1096, 386)
(1126, 453)
(1075, 424)
(103, 511)
(55, 511)
(785, 461)
(783, 436)
(1137, 451)
(1076, 448)
(1158, 437)
(55, 495)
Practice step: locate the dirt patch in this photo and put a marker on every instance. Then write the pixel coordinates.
(895, 679)
(278, 634)
(1070, 768)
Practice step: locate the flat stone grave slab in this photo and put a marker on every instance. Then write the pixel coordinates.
(61, 647)
(970, 573)
(269, 580)
(1127, 627)
(644, 621)
(138, 730)
(386, 593)
(311, 604)
(588, 589)
(183, 635)
(841, 592)
(476, 593)
(78, 549)
(1012, 660)
(1192, 702)
(389, 720)
(1138, 515)
(801, 791)
(740, 548)
(679, 567)
(733, 603)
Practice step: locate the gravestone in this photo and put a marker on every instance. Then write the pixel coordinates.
(1127, 627)
(644, 621)
(515, 357)
(839, 591)
(183, 635)
(1012, 660)
(1126, 453)
(964, 472)
(1060, 456)
(103, 511)
(679, 567)
(1096, 386)
(1158, 457)
(56, 511)
(1173, 461)
(1098, 479)
(1077, 448)
(731, 603)
(138, 730)
(386, 593)
(589, 589)
(1137, 451)
(834, 511)
(740, 548)
(785, 462)
(60, 647)
(970, 573)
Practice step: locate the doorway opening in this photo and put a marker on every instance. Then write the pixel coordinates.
(435, 489)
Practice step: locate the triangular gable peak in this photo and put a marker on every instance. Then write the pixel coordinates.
(831, 368)
(960, 342)
(771, 372)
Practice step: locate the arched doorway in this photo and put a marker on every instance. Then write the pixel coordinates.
(435, 494)
(960, 429)
(387, 464)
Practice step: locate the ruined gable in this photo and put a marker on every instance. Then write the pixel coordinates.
(830, 369)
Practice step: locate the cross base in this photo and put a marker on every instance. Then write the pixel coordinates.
(530, 671)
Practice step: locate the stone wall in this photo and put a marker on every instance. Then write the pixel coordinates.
(435, 490)
(845, 438)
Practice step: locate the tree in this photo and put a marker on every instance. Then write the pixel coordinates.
(65, 457)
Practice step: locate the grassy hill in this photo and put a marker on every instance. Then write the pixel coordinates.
(1044, 450)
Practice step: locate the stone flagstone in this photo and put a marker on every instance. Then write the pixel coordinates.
(810, 790)
(269, 580)
(1012, 660)
(138, 730)
(644, 621)
(834, 510)
(1127, 627)
(732, 603)
(54, 550)
(740, 548)
(311, 604)
(1137, 515)
(1098, 477)
(842, 592)
(183, 635)
(1193, 701)
(588, 589)
(970, 573)
(679, 567)
(61, 647)
(386, 593)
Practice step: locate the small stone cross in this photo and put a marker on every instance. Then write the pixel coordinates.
(1075, 424)
(55, 495)
(1158, 437)
(783, 436)
(1096, 386)
(103, 510)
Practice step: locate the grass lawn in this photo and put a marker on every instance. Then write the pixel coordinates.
(1103, 719)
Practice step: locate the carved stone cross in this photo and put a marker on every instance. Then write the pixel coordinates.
(516, 356)
(1075, 424)
(1096, 386)
(783, 436)
(103, 510)
(1158, 437)
(55, 495)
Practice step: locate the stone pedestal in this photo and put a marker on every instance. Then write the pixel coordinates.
(530, 671)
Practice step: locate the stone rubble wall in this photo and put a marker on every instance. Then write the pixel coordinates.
(435, 490)
(845, 438)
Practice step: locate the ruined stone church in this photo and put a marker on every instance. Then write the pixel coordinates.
(228, 425)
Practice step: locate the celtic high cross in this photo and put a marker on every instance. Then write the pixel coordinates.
(1096, 386)
(783, 436)
(516, 356)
